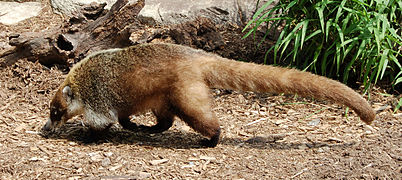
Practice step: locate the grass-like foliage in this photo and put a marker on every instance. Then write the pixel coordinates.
(337, 39)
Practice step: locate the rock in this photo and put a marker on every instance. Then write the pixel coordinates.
(106, 162)
(200, 33)
(166, 12)
(70, 7)
(302, 147)
(314, 122)
(14, 12)
(180, 11)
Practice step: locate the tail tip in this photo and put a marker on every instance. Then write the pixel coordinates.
(369, 117)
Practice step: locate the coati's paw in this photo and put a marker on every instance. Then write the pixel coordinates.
(213, 141)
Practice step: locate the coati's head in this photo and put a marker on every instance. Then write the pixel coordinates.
(63, 106)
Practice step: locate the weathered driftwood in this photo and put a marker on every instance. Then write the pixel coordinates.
(90, 30)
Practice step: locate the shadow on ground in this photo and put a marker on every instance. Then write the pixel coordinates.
(176, 139)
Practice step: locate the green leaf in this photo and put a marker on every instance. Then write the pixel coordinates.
(317, 52)
(328, 26)
(368, 67)
(382, 65)
(290, 5)
(328, 52)
(395, 60)
(349, 41)
(338, 57)
(396, 36)
(257, 13)
(377, 36)
(296, 44)
(313, 34)
(303, 34)
(340, 33)
(279, 41)
(398, 105)
(349, 48)
(292, 34)
(339, 13)
(320, 10)
(398, 81)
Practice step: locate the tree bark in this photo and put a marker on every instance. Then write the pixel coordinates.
(90, 30)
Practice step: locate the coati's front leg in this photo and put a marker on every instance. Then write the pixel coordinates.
(99, 125)
(164, 120)
(127, 124)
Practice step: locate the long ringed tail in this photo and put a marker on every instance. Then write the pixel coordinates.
(228, 74)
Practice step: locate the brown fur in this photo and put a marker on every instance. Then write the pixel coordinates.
(174, 80)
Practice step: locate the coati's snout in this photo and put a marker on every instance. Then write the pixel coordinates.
(62, 107)
(57, 116)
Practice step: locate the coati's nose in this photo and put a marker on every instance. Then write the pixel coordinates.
(48, 125)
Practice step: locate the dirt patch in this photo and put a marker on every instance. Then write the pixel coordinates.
(263, 137)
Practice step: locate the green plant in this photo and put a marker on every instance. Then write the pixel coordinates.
(398, 105)
(336, 38)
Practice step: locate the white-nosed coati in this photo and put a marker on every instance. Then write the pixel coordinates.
(173, 80)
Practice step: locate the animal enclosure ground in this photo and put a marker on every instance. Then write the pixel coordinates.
(263, 137)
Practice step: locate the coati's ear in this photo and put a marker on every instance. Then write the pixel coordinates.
(67, 94)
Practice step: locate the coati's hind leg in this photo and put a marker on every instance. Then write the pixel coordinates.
(193, 105)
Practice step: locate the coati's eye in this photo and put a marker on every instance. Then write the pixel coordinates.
(55, 114)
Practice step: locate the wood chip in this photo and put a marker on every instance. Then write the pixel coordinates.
(262, 119)
(159, 161)
(335, 139)
(114, 168)
(208, 158)
(399, 115)
(44, 150)
(36, 159)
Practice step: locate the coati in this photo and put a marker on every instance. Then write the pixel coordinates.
(174, 80)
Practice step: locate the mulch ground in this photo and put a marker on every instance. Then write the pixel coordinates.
(264, 136)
